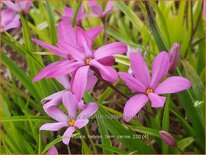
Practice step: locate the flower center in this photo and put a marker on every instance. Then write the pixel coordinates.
(87, 61)
(71, 122)
(148, 91)
(70, 57)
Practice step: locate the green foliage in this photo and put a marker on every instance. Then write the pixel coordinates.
(150, 26)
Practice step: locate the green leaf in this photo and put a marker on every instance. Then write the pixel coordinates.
(20, 75)
(165, 122)
(51, 20)
(24, 119)
(155, 30)
(104, 132)
(197, 84)
(183, 143)
(116, 129)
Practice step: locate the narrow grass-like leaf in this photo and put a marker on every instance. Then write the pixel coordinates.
(112, 149)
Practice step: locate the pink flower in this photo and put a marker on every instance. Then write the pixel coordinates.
(9, 20)
(19, 5)
(78, 46)
(52, 151)
(175, 55)
(150, 88)
(71, 120)
(98, 10)
(167, 138)
(69, 13)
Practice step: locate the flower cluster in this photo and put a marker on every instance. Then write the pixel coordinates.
(81, 65)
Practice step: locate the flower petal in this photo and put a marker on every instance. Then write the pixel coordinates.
(108, 73)
(13, 24)
(132, 83)
(53, 126)
(73, 50)
(68, 12)
(94, 32)
(156, 100)
(70, 103)
(11, 5)
(64, 81)
(67, 135)
(55, 113)
(84, 42)
(110, 50)
(140, 69)
(53, 49)
(64, 68)
(173, 84)
(65, 28)
(160, 67)
(175, 55)
(49, 68)
(95, 7)
(88, 111)
(24, 5)
(108, 8)
(91, 80)
(52, 151)
(134, 105)
(53, 96)
(107, 61)
(80, 123)
(80, 82)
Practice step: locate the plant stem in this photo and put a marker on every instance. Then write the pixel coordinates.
(39, 144)
(90, 139)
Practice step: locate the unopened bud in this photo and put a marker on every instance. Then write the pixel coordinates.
(52, 151)
(175, 55)
(167, 138)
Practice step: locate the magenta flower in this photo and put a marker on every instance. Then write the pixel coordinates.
(9, 20)
(68, 64)
(71, 120)
(19, 5)
(150, 88)
(79, 57)
(52, 151)
(175, 55)
(98, 10)
(69, 13)
(167, 138)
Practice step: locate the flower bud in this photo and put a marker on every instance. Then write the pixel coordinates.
(167, 138)
(174, 54)
(52, 151)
